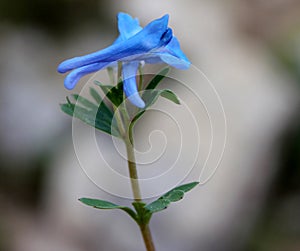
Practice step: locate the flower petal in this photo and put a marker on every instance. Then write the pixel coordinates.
(74, 76)
(129, 83)
(176, 62)
(155, 35)
(171, 55)
(128, 26)
(174, 49)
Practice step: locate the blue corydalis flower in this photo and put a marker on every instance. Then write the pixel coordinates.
(152, 44)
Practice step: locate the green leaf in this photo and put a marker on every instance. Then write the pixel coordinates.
(95, 95)
(113, 93)
(173, 195)
(158, 78)
(102, 204)
(67, 108)
(158, 205)
(85, 102)
(165, 93)
(98, 116)
(105, 88)
(104, 121)
(186, 187)
(150, 98)
(168, 94)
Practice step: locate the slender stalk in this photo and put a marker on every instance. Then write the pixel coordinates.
(147, 237)
(132, 170)
(123, 120)
(145, 230)
(120, 122)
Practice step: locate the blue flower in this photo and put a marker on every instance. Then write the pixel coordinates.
(152, 44)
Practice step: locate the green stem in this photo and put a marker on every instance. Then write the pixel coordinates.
(123, 121)
(120, 122)
(145, 230)
(147, 237)
(132, 170)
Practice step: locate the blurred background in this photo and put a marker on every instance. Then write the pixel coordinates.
(250, 50)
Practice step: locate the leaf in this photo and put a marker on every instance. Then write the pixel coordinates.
(173, 195)
(158, 205)
(105, 88)
(95, 95)
(186, 187)
(170, 96)
(165, 93)
(67, 108)
(85, 102)
(102, 204)
(158, 78)
(104, 120)
(150, 98)
(98, 116)
(113, 93)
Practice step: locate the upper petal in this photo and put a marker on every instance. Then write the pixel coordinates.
(128, 26)
(155, 35)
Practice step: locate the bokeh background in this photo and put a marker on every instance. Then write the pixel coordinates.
(250, 50)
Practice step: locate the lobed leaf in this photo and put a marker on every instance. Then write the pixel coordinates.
(168, 94)
(158, 78)
(95, 95)
(158, 205)
(85, 102)
(98, 116)
(113, 93)
(102, 204)
(150, 97)
(186, 187)
(173, 195)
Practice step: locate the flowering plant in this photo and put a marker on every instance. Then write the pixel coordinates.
(135, 47)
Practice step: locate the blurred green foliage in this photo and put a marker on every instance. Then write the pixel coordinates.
(279, 226)
(24, 183)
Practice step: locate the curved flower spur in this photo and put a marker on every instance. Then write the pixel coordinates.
(135, 46)
(152, 44)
